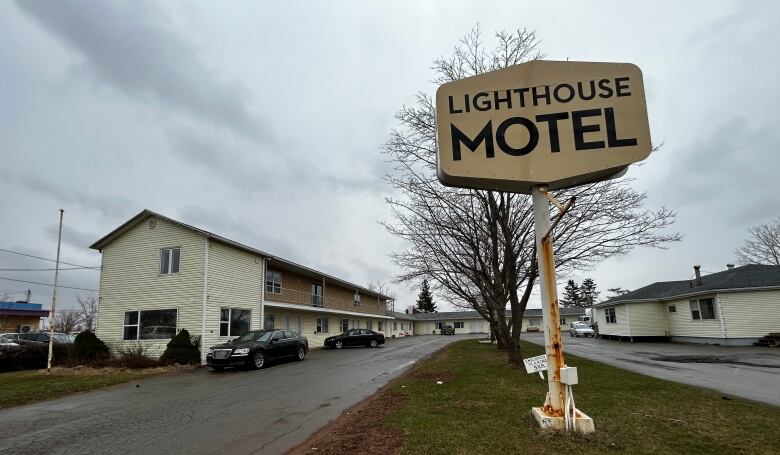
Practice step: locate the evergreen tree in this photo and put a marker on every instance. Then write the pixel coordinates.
(588, 293)
(425, 303)
(616, 292)
(571, 295)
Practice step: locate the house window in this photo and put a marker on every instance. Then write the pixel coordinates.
(344, 325)
(703, 309)
(268, 321)
(169, 260)
(316, 295)
(150, 325)
(563, 321)
(609, 315)
(322, 325)
(273, 282)
(233, 322)
(370, 325)
(672, 309)
(458, 324)
(439, 325)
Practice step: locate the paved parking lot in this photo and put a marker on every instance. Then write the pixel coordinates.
(235, 412)
(748, 372)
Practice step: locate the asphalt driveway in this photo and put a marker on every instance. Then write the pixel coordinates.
(235, 412)
(748, 372)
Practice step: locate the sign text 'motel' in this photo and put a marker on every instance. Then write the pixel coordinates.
(555, 123)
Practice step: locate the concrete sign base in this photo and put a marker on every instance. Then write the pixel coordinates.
(583, 424)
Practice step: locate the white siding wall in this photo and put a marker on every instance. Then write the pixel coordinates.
(681, 323)
(619, 328)
(235, 280)
(750, 314)
(647, 319)
(130, 280)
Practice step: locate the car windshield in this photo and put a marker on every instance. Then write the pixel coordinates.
(259, 335)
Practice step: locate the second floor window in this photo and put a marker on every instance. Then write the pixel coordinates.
(316, 295)
(273, 282)
(169, 260)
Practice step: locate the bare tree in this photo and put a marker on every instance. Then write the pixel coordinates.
(476, 247)
(763, 245)
(383, 288)
(89, 309)
(67, 321)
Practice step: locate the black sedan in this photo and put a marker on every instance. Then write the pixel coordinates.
(355, 337)
(256, 348)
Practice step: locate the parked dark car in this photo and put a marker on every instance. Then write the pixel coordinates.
(256, 348)
(355, 337)
(447, 330)
(43, 337)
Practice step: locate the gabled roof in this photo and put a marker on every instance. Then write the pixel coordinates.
(450, 315)
(145, 214)
(746, 277)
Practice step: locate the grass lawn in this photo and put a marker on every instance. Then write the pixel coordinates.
(485, 407)
(22, 387)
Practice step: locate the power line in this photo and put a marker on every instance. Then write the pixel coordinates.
(47, 284)
(47, 259)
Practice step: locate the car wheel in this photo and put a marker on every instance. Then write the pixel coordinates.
(258, 360)
(373, 343)
(301, 353)
(217, 368)
(339, 344)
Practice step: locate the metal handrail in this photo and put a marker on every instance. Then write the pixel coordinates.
(297, 297)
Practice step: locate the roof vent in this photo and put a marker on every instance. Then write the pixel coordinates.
(697, 271)
(729, 266)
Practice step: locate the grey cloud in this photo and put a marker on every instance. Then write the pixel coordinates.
(112, 206)
(74, 237)
(129, 47)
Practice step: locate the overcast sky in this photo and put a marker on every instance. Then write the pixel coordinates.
(263, 121)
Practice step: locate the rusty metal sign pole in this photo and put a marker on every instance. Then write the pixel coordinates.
(553, 346)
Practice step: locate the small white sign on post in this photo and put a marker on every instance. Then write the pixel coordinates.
(536, 364)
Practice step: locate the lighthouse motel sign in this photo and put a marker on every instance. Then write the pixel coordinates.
(550, 123)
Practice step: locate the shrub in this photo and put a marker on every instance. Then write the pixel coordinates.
(180, 350)
(90, 349)
(133, 355)
(25, 356)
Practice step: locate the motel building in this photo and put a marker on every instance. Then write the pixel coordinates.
(739, 306)
(160, 275)
(472, 322)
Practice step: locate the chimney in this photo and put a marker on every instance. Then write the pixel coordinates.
(729, 266)
(697, 271)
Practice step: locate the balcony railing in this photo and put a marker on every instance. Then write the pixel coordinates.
(308, 299)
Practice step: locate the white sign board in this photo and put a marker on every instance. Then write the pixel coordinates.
(535, 364)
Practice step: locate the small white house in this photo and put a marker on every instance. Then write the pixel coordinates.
(735, 307)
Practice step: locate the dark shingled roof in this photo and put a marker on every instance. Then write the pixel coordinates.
(745, 277)
(450, 315)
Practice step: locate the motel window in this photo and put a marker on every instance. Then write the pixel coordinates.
(344, 325)
(439, 325)
(150, 325)
(395, 326)
(316, 295)
(322, 325)
(268, 321)
(672, 309)
(703, 309)
(273, 282)
(609, 315)
(169, 260)
(357, 299)
(458, 324)
(380, 326)
(370, 325)
(233, 322)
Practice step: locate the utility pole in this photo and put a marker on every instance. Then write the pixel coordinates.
(54, 298)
